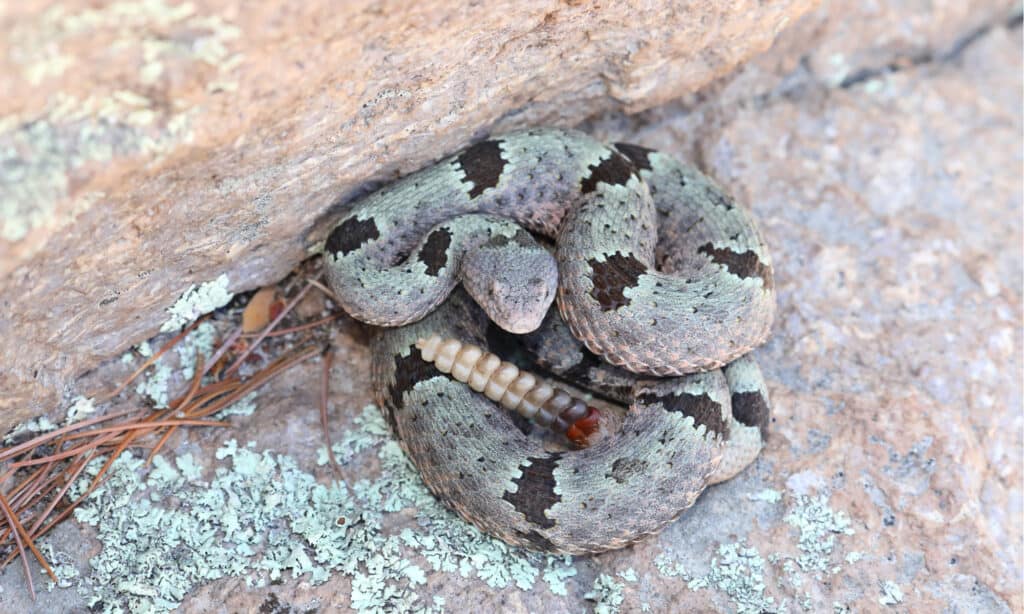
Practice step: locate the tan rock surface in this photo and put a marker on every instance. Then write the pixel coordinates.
(892, 481)
(151, 145)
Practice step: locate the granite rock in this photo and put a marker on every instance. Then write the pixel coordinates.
(892, 479)
(148, 146)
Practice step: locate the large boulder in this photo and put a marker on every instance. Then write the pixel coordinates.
(147, 147)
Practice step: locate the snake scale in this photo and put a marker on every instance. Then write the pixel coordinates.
(662, 285)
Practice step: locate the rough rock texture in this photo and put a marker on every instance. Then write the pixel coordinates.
(881, 149)
(149, 145)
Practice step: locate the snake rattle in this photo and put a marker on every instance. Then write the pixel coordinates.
(663, 285)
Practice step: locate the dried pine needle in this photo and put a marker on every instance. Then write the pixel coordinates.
(41, 471)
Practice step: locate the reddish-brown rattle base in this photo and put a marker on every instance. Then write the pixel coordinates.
(579, 432)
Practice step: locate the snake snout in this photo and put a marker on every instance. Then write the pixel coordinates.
(518, 307)
(514, 282)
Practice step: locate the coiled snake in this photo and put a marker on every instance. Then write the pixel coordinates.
(661, 281)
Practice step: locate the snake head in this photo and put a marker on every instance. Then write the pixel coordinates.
(513, 279)
(517, 301)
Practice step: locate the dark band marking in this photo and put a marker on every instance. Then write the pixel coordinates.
(625, 469)
(751, 409)
(535, 492)
(482, 165)
(522, 238)
(409, 371)
(435, 250)
(616, 169)
(742, 265)
(612, 277)
(538, 540)
(638, 155)
(702, 408)
(350, 235)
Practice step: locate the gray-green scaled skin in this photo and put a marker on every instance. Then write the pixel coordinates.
(678, 435)
(617, 214)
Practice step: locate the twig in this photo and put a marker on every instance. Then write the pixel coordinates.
(327, 291)
(20, 530)
(121, 428)
(49, 508)
(45, 437)
(46, 479)
(156, 356)
(325, 376)
(192, 390)
(266, 330)
(224, 347)
(299, 328)
(13, 523)
(67, 453)
(82, 464)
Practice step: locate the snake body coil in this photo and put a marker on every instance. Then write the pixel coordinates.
(660, 278)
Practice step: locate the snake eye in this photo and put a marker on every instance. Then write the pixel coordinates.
(579, 432)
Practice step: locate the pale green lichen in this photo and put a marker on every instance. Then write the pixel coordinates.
(259, 516)
(144, 349)
(38, 154)
(606, 595)
(874, 86)
(62, 564)
(42, 424)
(841, 68)
(738, 571)
(197, 301)
(200, 341)
(156, 384)
(243, 520)
(243, 407)
(557, 570)
(42, 147)
(819, 525)
(629, 575)
(81, 407)
(768, 495)
(669, 567)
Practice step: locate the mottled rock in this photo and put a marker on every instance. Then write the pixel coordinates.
(892, 479)
(893, 207)
(148, 146)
